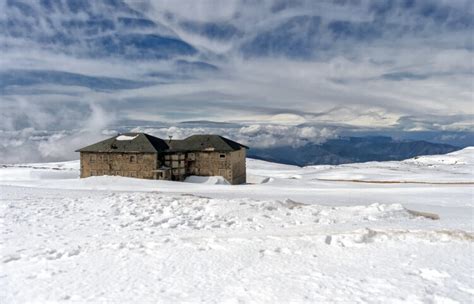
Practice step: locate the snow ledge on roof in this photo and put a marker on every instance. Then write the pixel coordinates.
(126, 137)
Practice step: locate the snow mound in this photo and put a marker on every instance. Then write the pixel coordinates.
(366, 236)
(461, 157)
(126, 137)
(208, 180)
(190, 212)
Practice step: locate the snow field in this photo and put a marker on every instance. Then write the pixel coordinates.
(287, 236)
(452, 168)
(106, 246)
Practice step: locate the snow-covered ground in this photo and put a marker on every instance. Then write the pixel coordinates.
(344, 233)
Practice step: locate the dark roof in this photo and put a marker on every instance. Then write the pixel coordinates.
(205, 142)
(141, 142)
(137, 142)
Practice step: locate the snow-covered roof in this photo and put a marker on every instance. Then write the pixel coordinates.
(126, 137)
(128, 142)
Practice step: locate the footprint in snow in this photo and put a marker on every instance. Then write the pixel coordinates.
(282, 250)
(10, 258)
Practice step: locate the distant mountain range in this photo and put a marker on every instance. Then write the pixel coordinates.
(350, 150)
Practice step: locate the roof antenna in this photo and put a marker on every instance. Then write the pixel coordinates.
(170, 136)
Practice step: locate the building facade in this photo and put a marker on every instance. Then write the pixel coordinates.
(141, 155)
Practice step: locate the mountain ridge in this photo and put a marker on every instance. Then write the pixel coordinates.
(350, 150)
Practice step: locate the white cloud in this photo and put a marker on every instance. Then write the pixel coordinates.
(255, 135)
(344, 84)
(34, 145)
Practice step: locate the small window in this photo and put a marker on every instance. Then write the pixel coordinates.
(140, 158)
(133, 158)
(222, 156)
(93, 158)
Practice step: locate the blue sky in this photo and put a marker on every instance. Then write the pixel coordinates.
(307, 70)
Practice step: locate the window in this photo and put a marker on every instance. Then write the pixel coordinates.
(93, 158)
(133, 158)
(222, 156)
(140, 158)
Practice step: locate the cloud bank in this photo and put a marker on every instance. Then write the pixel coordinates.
(268, 66)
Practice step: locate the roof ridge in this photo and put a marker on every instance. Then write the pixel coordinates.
(144, 142)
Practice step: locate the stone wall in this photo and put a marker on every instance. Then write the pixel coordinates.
(140, 165)
(230, 165)
(239, 167)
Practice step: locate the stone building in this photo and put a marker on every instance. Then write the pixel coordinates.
(144, 156)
